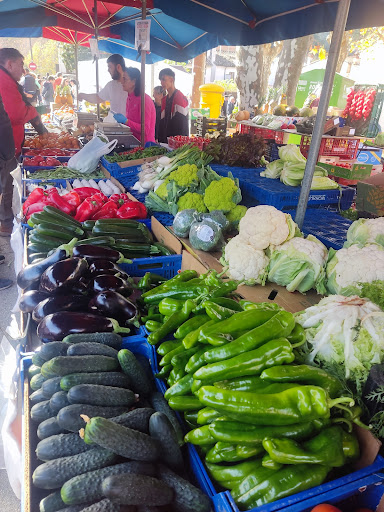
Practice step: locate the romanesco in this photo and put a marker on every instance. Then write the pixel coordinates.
(162, 191)
(222, 195)
(185, 175)
(192, 200)
(236, 214)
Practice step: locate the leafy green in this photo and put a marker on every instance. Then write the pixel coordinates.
(373, 291)
(239, 150)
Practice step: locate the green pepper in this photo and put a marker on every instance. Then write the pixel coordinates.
(268, 462)
(167, 346)
(164, 372)
(192, 338)
(280, 325)
(191, 418)
(232, 475)
(207, 415)
(257, 475)
(183, 277)
(351, 447)
(185, 403)
(216, 311)
(255, 384)
(296, 405)
(148, 280)
(152, 325)
(196, 361)
(199, 436)
(182, 358)
(173, 322)
(180, 387)
(297, 336)
(167, 358)
(176, 374)
(227, 303)
(169, 306)
(196, 386)
(227, 452)
(191, 325)
(305, 374)
(154, 317)
(247, 305)
(274, 352)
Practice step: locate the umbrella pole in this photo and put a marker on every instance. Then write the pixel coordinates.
(77, 71)
(96, 57)
(142, 81)
(334, 50)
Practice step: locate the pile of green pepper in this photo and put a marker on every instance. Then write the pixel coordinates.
(267, 427)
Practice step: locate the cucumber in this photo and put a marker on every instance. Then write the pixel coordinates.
(72, 509)
(55, 473)
(37, 381)
(134, 489)
(64, 365)
(91, 348)
(46, 371)
(51, 503)
(61, 445)
(102, 506)
(140, 382)
(33, 370)
(106, 338)
(160, 404)
(69, 417)
(49, 428)
(161, 428)
(87, 487)
(94, 394)
(117, 379)
(37, 396)
(123, 441)
(37, 359)
(51, 386)
(187, 497)
(138, 419)
(41, 412)
(58, 401)
(53, 349)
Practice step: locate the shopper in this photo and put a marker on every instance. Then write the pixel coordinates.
(47, 92)
(231, 105)
(7, 165)
(174, 108)
(30, 88)
(73, 85)
(58, 80)
(131, 84)
(4, 283)
(158, 95)
(113, 91)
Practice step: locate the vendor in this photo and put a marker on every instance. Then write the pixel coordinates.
(131, 84)
(174, 108)
(113, 90)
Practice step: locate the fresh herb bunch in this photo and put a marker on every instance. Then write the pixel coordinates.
(136, 154)
(240, 150)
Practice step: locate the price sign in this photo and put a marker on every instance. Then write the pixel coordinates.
(142, 34)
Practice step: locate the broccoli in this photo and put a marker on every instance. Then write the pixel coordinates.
(192, 200)
(236, 214)
(185, 175)
(222, 195)
(205, 235)
(162, 191)
(182, 222)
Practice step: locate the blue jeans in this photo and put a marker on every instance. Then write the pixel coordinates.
(6, 190)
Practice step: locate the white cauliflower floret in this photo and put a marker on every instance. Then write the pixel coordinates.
(313, 248)
(264, 225)
(245, 262)
(366, 231)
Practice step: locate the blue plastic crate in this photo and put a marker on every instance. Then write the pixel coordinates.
(59, 158)
(166, 219)
(166, 266)
(237, 172)
(119, 172)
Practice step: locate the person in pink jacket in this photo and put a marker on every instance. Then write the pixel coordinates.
(131, 83)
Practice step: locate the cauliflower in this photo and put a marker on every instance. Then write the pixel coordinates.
(263, 226)
(236, 214)
(192, 200)
(366, 231)
(245, 263)
(222, 195)
(185, 175)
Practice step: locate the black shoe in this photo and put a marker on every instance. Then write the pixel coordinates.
(2, 259)
(5, 283)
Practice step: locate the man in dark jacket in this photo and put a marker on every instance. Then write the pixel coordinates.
(47, 92)
(174, 108)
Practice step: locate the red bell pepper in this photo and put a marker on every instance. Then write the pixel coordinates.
(73, 199)
(84, 192)
(125, 197)
(88, 208)
(132, 210)
(116, 199)
(99, 196)
(34, 197)
(34, 208)
(107, 211)
(59, 202)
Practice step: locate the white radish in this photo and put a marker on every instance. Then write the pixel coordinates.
(115, 188)
(76, 183)
(93, 184)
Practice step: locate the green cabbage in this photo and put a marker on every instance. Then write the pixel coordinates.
(293, 173)
(291, 153)
(273, 169)
(323, 183)
(366, 231)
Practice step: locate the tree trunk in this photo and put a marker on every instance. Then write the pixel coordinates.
(253, 67)
(291, 60)
(198, 71)
(344, 51)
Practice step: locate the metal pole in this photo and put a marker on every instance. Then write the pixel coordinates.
(77, 71)
(96, 57)
(142, 81)
(334, 50)
(30, 48)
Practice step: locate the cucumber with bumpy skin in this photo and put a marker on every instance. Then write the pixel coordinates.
(160, 404)
(69, 417)
(138, 419)
(53, 349)
(61, 445)
(160, 428)
(105, 505)
(116, 379)
(137, 490)
(140, 382)
(37, 360)
(37, 396)
(51, 503)
(106, 338)
(41, 412)
(33, 370)
(49, 428)
(37, 381)
(91, 349)
(94, 394)
(64, 365)
(50, 387)
(58, 401)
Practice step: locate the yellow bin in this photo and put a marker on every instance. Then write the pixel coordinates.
(212, 97)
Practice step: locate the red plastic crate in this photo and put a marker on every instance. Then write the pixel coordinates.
(264, 133)
(343, 147)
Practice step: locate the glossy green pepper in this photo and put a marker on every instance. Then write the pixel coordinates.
(217, 311)
(169, 306)
(173, 322)
(191, 418)
(182, 358)
(254, 384)
(192, 338)
(257, 475)
(156, 317)
(164, 372)
(191, 325)
(234, 474)
(167, 346)
(152, 325)
(227, 452)
(247, 304)
(199, 436)
(196, 361)
(207, 415)
(268, 462)
(167, 358)
(351, 448)
(149, 280)
(297, 336)
(183, 277)
(185, 403)
(176, 374)
(180, 387)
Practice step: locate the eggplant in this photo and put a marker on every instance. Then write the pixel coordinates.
(116, 284)
(114, 305)
(56, 303)
(80, 288)
(29, 300)
(96, 252)
(57, 326)
(117, 273)
(98, 265)
(32, 273)
(63, 274)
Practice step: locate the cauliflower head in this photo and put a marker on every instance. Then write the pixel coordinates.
(245, 263)
(263, 226)
(366, 231)
(185, 175)
(222, 195)
(192, 200)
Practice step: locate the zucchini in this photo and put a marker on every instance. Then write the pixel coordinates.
(64, 232)
(106, 338)
(53, 349)
(33, 370)
(69, 417)
(117, 379)
(48, 241)
(55, 473)
(138, 419)
(160, 404)
(65, 219)
(64, 365)
(41, 412)
(106, 241)
(87, 487)
(134, 489)
(102, 506)
(52, 503)
(91, 348)
(94, 394)
(58, 401)
(187, 497)
(161, 428)
(61, 445)
(49, 428)
(37, 396)
(140, 382)
(37, 359)
(51, 386)
(123, 441)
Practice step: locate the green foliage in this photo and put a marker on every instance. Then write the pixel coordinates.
(229, 84)
(67, 53)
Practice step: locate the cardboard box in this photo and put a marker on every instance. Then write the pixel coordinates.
(330, 124)
(345, 131)
(370, 195)
(356, 172)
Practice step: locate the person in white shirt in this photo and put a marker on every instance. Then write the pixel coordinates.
(113, 91)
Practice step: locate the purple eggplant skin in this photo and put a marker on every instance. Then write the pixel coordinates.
(117, 273)
(29, 300)
(63, 274)
(113, 305)
(101, 264)
(56, 303)
(105, 282)
(95, 252)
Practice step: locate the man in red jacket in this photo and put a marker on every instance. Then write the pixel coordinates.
(174, 108)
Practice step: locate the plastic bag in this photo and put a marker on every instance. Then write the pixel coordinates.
(87, 159)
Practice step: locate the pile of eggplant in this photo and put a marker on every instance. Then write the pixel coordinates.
(78, 289)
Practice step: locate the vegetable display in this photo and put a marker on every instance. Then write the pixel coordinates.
(136, 153)
(239, 150)
(52, 140)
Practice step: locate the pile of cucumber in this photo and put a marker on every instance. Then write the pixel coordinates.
(108, 440)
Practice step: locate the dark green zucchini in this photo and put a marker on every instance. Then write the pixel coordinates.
(53, 349)
(49, 428)
(124, 441)
(58, 401)
(103, 506)
(37, 381)
(55, 473)
(141, 384)
(94, 394)
(137, 490)
(160, 404)
(37, 396)
(161, 428)
(106, 338)
(61, 445)
(187, 497)
(52, 503)
(91, 348)
(118, 379)
(33, 370)
(87, 487)
(138, 419)
(37, 360)
(51, 386)
(64, 365)
(41, 412)
(69, 417)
